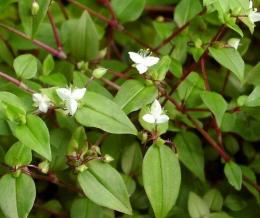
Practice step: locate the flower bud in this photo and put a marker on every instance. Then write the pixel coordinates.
(35, 8)
(108, 158)
(99, 72)
(81, 168)
(44, 166)
(96, 149)
(143, 136)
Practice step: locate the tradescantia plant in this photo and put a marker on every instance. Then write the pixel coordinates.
(129, 108)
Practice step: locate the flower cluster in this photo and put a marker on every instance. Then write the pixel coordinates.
(69, 96)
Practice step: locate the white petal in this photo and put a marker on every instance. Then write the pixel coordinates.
(71, 106)
(254, 16)
(149, 118)
(234, 42)
(64, 93)
(162, 118)
(156, 109)
(78, 94)
(141, 68)
(250, 4)
(135, 57)
(37, 97)
(43, 107)
(150, 61)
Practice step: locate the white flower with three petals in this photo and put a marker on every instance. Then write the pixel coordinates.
(143, 60)
(253, 16)
(156, 115)
(71, 98)
(42, 102)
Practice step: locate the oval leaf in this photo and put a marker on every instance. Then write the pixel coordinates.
(103, 185)
(17, 195)
(33, 134)
(25, 66)
(197, 207)
(230, 59)
(233, 173)
(101, 112)
(133, 95)
(190, 153)
(162, 178)
(216, 103)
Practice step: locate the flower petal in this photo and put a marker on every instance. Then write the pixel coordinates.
(43, 107)
(141, 68)
(37, 97)
(162, 119)
(149, 118)
(254, 16)
(71, 106)
(150, 61)
(78, 94)
(135, 57)
(234, 42)
(156, 108)
(64, 93)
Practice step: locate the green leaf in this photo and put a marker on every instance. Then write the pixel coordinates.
(17, 195)
(186, 10)
(31, 23)
(48, 65)
(230, 59)
(234, 174)
(18, 154)
(214, 199)
(83, 38)
(216, 103)
(5, 53)
(103, 185)
(158, 72)
(101, 112)
(161, 178)
(84, 208)
(234, 202)
(133, 95)
(130, 10)
(190, 153)
(131, 161)
(197, 207)
(33, 134)
(25, 66)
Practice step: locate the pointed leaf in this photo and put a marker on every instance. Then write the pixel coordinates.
(197, 207)
(162, 178)
(230, 59)
(17, 195)
(190, 153)
(133, 95)
(216, 103)
(103, 185)
(33, 134)
(233, 173)
(101, 112)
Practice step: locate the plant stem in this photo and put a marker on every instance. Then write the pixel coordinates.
(55, 31)
(54, 52)
(16, 82)
(111, 84)
(159, 8)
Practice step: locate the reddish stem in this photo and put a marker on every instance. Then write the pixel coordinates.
(54, 52)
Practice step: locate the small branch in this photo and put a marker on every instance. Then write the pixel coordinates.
(63, 10)
(16, 82)
(55, 32)
(159, 8)
(204, 74)
(54, 52)
(90, 11)
(111, 84)
(172, 36)
(254, 184)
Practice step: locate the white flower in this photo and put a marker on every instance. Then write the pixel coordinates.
(253, 16)
(234, 43)
(143, 60)
(71, 98)
(156, 115)
(42, 102)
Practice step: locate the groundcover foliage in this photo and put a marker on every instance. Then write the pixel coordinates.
(129, 108)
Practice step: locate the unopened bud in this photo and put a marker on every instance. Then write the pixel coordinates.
(96, 149)
(44, 166)
(143, 136)
(99, 72)
(35, 8)
(81, 168)
(108, 158)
